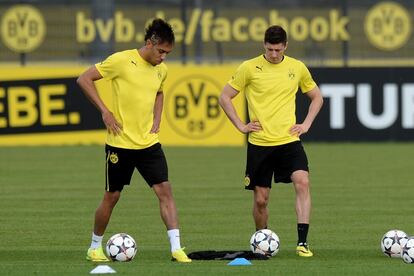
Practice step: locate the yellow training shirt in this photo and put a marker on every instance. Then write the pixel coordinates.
(135, 84)
(270, 91)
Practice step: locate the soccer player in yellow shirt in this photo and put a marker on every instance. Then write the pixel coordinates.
(270, 83)
(137, 77)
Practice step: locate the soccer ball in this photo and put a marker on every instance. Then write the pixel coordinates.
(121, 247)
(265, 242)
(392, 243)
(408, 251)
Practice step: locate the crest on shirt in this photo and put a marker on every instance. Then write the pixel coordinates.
(159, 75)
(291, 74)
(113, 157)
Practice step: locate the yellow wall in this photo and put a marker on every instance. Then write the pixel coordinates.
(191, 113)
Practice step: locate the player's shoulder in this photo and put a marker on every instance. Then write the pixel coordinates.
(119, 56)
(253, 62)
(123, 55)
(126, 54)
(294, 61)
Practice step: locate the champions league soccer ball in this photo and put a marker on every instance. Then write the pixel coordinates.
(265, 242)
(392, 243)
(408, 251)
(121, 247)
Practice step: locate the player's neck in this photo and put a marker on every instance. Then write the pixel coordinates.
(144, 53)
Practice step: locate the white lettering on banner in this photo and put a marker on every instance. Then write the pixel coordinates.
(407, 116)
(337, 93)
(364, 106)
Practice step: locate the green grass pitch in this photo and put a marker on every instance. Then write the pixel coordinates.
(48, 196)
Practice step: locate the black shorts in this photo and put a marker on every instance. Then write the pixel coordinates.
(120, 165)
(278, 161)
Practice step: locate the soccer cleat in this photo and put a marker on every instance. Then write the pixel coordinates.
(180, 256)
(303, 251)
(96, 255)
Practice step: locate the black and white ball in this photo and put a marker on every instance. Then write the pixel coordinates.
(121, 247)
(265, 242)
(408, 251)
(392, 243)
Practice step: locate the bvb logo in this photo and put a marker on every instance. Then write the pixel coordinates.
(388, 26)
(247, 181)
(113, 157)
(23, 28)
(192, 107)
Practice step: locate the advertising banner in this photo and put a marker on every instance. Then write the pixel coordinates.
(45, 106)
(363, 104)
(322, 33)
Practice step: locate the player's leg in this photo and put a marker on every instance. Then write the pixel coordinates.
(260, 202)
(152, 165)
(258, 177)
(118, 172)
(301, 183)
(104, 211)
(292, 166)
(168, 209)
(102, 214)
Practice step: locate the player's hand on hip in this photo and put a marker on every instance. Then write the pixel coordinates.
(155, 128)
(112, 125)
(252, 126)
(298, 130)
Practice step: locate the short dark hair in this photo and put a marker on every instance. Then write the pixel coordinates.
(159, 31)
(275, 34)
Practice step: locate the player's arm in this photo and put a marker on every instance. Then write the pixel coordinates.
(226, 103)
(86, 83)
(159, 102)
(316, 99)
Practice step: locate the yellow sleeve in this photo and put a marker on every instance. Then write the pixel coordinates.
(306, 83)
(110, 67)
(240, 79)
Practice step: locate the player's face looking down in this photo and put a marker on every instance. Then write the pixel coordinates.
(158, 51)
(274, 52)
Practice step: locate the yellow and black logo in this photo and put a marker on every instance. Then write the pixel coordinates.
(291, 74)
(192, 107)
(23, 28)
(388, 26)
(113, 157)
(247, 181)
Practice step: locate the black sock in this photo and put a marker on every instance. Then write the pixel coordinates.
(302, 233)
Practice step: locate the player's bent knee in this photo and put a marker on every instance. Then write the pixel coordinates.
(112, 197)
